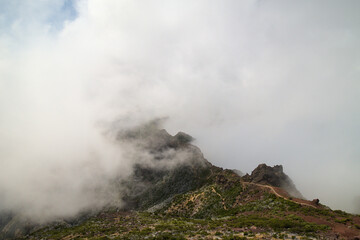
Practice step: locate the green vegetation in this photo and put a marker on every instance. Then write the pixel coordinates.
(343, 220)
(161, 226)
(290, 223)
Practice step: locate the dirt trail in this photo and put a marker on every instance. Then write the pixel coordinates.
(283, 194)
(337, 229)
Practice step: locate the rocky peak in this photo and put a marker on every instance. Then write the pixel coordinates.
(273, 176)
(177, 166)
(151, 137)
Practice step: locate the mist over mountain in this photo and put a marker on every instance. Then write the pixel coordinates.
(253, 82)
(170, 180)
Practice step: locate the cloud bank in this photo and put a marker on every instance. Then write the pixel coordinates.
(252, 81)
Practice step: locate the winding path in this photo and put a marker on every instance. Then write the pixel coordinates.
(272, 189)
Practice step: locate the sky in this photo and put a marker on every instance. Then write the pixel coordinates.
(273, 82)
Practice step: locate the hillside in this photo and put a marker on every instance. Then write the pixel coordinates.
(224, 208)
(192, 199)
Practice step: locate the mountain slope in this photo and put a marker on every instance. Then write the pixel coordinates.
(225, 207)
(178, 194)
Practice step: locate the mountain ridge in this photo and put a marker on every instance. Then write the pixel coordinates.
(178, 189)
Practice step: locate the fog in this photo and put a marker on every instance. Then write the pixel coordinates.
(273, 82)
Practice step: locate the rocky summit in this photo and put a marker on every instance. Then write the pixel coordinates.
(273, 176)
(178, 194)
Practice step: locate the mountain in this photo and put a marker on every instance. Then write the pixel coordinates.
(178, 194)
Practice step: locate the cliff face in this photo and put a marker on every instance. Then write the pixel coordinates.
(273, 176)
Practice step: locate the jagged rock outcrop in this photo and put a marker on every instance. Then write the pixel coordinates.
(175, 166)
(273, 176)
(150, 137)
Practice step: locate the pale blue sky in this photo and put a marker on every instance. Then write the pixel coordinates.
(27, 14)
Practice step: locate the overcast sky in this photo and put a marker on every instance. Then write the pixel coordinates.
(275, 82)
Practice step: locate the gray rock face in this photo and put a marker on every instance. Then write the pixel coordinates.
(273, 176)
(177, 167)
